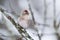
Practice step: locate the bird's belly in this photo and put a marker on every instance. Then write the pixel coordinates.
(23, 24)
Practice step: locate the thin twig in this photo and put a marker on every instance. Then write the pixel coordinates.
(32, 14)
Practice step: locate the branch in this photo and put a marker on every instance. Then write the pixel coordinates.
(20, 29)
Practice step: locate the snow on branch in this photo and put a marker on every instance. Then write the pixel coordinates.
(20, 29)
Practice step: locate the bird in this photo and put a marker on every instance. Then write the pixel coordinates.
(24, 20)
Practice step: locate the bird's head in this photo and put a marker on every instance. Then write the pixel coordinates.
(25, 12)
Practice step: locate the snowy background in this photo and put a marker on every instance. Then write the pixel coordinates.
(39, 7)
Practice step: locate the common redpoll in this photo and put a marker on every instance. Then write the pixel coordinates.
(24, 20)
